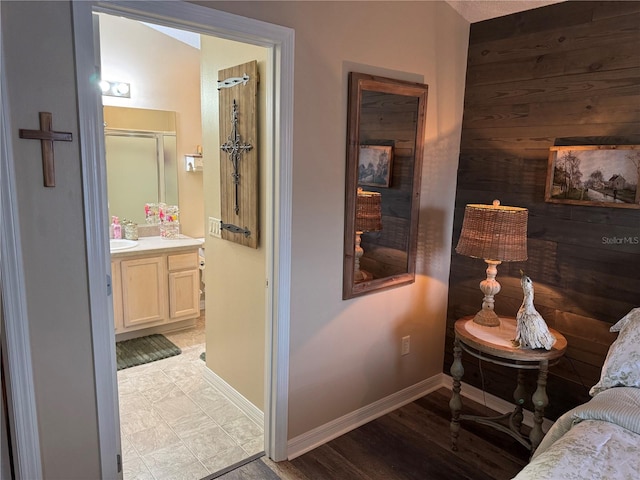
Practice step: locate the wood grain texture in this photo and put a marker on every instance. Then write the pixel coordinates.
(387, 119)
(412, 443)
(383, 111)
(184, 294)
(565, 74)
(144, 291)
(246, 216)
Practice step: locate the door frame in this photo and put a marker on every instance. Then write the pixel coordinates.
(14, 322)
(280, 42)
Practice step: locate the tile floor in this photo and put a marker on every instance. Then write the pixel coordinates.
(174, 423)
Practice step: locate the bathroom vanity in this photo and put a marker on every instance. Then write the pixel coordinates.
(156, 282)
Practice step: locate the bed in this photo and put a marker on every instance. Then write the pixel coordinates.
(599, 439)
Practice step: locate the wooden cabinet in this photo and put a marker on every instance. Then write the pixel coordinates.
(155, 289)
(184, 285)
(144, 291)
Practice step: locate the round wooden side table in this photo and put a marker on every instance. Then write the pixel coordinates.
(494, 345)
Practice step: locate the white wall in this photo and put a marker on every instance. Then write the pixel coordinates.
(165, 75)
(346, 354)
(41, 78)
(235, 274)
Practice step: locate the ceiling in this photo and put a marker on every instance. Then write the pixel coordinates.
(479, 10)
(471, 10)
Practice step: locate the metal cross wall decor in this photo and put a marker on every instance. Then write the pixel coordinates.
(234, 148)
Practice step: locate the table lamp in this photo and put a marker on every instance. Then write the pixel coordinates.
(496, 234)
(368, 219)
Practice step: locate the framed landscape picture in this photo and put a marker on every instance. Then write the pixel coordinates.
(374, 165)
(597, 175)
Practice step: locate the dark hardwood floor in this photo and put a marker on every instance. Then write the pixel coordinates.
(411, 443)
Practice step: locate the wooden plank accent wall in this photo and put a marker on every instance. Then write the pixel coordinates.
(564, 74)
(391, 120)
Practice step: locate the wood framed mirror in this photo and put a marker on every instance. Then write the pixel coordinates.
(385, 144)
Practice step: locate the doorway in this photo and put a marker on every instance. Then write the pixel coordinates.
(173, 416)
(279, 41)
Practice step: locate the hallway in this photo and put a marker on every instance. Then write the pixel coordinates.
(174, 423)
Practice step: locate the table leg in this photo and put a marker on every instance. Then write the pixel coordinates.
(457, 370)
(519, 395)
(540, 401)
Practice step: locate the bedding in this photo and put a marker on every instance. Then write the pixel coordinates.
(599, 439)
(622, 364)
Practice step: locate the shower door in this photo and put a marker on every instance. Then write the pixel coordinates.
(141, 168)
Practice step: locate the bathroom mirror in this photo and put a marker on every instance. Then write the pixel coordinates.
(385, 140)
(141, 158)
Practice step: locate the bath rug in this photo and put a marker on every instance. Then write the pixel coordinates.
(141, 350)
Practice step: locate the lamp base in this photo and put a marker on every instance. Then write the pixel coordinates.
(362, 276)
(490, 287)
(487, 318)
(359, 276)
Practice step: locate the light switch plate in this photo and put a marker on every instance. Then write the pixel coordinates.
(406, 345)
(215, 227)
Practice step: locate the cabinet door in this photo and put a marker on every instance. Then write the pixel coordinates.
(184, 294)
(144, 291)
(183, 261)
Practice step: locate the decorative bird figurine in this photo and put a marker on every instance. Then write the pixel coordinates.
(531, 329)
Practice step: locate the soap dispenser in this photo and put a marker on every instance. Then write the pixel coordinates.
(116, 228)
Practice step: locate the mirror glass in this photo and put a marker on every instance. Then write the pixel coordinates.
(385, 138)
(141, 157)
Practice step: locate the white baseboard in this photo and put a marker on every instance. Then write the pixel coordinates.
(491, 401)
(324, 433)
(249, 409)
(320, 435)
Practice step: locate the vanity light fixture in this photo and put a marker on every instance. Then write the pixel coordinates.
(115, 89)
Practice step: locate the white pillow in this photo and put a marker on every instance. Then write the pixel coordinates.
(632, 315)
(622, 366)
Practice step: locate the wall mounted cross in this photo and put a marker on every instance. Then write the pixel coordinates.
(46, 136)
(234, 148)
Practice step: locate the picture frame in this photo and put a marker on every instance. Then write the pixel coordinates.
(594, 175)
(374, 165)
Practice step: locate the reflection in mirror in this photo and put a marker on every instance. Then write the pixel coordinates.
(368, 219)
(386, 122)
(141, 158)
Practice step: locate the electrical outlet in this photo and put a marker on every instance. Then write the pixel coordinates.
(215, 227)
(406, 345)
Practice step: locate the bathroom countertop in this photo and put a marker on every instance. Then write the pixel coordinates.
(159, 245)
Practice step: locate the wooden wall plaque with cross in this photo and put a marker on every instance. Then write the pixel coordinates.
(237, 90)
(47, 136)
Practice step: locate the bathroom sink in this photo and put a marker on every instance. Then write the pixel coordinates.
(116, 244)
